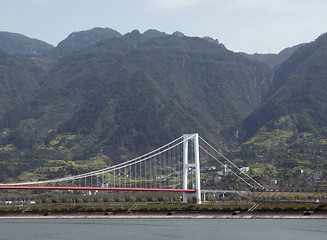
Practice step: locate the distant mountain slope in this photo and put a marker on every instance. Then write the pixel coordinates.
(288, 132)
(274, 60)
(19, 80)
(17, 43)
(185, 79)
(300, 86)
(130, 94)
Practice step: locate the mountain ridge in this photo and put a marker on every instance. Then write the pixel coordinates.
(274, 60)
(15, 43)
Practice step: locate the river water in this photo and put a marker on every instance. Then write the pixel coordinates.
(160, 229)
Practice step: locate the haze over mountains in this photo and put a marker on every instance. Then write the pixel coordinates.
(127, 94)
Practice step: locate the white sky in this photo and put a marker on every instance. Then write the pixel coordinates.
(263, 26)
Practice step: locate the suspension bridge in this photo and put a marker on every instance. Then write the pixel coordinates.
(174, 167)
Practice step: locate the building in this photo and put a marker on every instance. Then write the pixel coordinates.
(216, 179)
(314, 177)
(245, 169)
(273, 182)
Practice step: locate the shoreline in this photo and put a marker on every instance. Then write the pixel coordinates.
(231, 215)
(166, 211)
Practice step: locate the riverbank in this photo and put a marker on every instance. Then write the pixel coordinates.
(245, 215)
(246, 211)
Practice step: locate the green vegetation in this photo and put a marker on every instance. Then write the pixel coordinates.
(285, 155)
(285, 138)
(124, 95)
(69, 111)
(161, 208)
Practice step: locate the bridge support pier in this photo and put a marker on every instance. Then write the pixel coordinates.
(193, 165)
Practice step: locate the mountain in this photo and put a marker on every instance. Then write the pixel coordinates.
(125, 95)
(88, 37)
(299, 86)
(78, 40)
(289, 130)
(14, 43)
(19, 79)
(274, 60)
(153, 33)
(128, 95)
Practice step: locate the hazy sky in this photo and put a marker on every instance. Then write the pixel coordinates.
(263, 26)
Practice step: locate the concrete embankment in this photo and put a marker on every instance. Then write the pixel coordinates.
(189, 215)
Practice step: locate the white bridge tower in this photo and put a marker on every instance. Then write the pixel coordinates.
(187, 165)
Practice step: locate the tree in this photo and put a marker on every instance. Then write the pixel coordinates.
(277, 198)
(264, 198)
(154, 199)
(69, 200)
(317, 196)
(121, 200)
(132, 199)
(165, 199)
(237, 199)
(290, 198)
(177, 199)
(212, 199)
(189, 199)
(111, 200)
(248, 198)
(144, 200)
(303, 198)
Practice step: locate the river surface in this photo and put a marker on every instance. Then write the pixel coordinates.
(160, 229)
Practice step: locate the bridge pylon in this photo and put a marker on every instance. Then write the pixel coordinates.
(195, 164)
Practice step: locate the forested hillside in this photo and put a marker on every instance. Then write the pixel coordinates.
(126, 95)
(101, 98)
(286, 137)
(20, 79)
